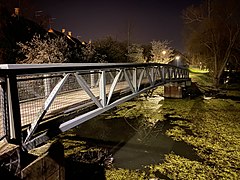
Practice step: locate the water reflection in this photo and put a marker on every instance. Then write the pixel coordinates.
(133, 135)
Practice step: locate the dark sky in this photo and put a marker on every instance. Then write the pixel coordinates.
(93, 19)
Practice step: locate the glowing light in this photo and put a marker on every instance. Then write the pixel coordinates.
(177, 57)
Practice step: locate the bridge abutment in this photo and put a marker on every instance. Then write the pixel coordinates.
(175, 89)
(42, 163)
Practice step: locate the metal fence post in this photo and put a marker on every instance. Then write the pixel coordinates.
(162, 74)
(102, 88)
(135, 79)
(14, 117)
(92, 79)
(47, 83)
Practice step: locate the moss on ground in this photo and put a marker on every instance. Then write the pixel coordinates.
(215, 125)
(215, 136)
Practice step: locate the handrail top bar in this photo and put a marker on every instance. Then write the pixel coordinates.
(18, 69)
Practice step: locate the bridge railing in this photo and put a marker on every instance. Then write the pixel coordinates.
(33, 94)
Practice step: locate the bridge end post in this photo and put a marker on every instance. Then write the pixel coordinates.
(14, 117)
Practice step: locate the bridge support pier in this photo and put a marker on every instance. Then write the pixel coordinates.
(43, 163)
(175, 89)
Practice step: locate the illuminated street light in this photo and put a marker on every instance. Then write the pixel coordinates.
(164, 52)
(177, 58)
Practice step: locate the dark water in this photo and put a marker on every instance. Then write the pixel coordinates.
(130, 148)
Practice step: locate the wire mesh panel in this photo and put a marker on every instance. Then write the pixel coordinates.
(31, 96)
(69, 96)
(46, 91)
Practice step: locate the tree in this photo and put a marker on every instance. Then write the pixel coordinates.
(5, 42)
(147, 55)
(213, 34)
(91, 55)
(136, 53)
(113, 50)
(161, 51)
(44, 50)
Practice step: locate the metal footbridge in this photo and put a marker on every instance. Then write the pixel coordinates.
(38, 101)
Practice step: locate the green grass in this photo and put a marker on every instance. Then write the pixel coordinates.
(202, 79)
(198, 71)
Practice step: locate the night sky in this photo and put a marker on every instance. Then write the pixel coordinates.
(93, 19)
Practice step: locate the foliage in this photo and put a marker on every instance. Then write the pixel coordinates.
(213, 35)
(161, 51)
(111, 50)
(91, 55)
(44, 50)
(119, 174)
(177, 167)
(136, 53)
(211, 127)
(147, 55)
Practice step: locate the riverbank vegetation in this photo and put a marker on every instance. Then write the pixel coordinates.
(211, 127)
(190, 138)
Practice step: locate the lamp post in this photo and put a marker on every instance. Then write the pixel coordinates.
(177, 59)
(163, 52)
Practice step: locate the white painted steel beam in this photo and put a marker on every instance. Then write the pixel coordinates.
(91, 114)
(134, 75)
(86, 88)
(113, 86)
(128, 81)
(102, 88)
(45, 107)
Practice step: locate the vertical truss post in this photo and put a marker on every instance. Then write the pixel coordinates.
(14, 118)
(4, 110)
(92, 79)
(135, 85)
(170, 73)
(174, 73)
(46, 82)
(102, 88)
(152, 75)
(163, 73)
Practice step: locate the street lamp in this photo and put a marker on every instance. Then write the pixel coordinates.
(177, 58)
(164, 52)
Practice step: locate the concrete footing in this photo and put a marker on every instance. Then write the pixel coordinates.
(47, 164)
(175, 90)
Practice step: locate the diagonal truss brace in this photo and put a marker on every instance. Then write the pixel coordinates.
(46, 106)
(113, 86)
(86, 88)
(129, 81)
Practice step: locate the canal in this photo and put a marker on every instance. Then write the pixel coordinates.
(157, 138)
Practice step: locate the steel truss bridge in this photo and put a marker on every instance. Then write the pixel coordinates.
(32, 96)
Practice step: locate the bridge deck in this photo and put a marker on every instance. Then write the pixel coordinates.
(30, 109)
(34, 93)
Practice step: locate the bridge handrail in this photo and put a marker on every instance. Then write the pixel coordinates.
(20, 69)
(21, 83)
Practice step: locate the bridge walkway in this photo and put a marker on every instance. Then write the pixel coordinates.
(31, 94)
